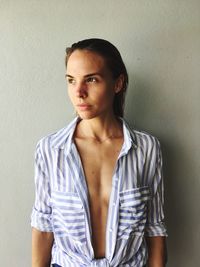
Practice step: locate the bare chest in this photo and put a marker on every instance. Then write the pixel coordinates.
(99, 162)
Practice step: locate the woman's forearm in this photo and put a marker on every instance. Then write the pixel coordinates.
(156, 251)
(41, 248)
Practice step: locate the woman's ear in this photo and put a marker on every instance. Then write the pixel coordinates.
(119, 83)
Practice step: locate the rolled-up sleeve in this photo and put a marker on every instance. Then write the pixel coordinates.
(41, 212)
(155, 225)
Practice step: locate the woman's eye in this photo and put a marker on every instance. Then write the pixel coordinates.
(71, 81)
(92, 80)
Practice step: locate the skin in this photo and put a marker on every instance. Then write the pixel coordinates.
(41, 248)
(91, 89)
(157, 251)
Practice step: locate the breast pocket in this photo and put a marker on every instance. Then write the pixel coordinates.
(132, 211)
(68, 215)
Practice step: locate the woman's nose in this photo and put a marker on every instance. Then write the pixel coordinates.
(81, 90)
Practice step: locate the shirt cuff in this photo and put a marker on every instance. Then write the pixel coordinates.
(157, 229)
(41, 221)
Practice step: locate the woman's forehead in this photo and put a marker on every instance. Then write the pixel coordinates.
(84, 61)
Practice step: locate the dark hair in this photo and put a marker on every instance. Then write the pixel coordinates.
(114, 62)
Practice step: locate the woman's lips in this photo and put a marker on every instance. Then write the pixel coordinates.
(83, 106)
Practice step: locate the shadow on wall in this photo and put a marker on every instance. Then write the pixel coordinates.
(145, 112)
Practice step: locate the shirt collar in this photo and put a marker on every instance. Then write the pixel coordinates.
(129, 137)
(63, 138)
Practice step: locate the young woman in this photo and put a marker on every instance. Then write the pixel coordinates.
(99, 185)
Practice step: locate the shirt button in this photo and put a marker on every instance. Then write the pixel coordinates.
(114, 204)
(111, 230)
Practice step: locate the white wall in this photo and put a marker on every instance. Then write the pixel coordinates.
(160, 43)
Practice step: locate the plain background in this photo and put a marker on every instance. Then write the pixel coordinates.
(160, 44)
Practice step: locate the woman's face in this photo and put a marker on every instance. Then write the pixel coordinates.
(91, 87)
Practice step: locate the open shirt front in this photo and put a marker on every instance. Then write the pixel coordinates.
(135, 205)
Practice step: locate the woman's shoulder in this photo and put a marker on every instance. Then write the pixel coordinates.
(57, 138)
(142, 136)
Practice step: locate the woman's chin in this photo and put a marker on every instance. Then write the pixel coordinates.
(86, 115)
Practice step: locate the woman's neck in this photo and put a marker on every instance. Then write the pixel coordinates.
(100, 128)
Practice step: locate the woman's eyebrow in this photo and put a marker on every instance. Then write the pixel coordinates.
(93, 74)
(67, 75)
(87, 75)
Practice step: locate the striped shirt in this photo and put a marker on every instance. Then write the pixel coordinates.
(135, 206)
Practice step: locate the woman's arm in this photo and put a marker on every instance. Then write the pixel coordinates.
(157, 253)
(155, 227)
(41, 248)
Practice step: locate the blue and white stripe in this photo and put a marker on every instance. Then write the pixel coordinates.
(135, 205)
